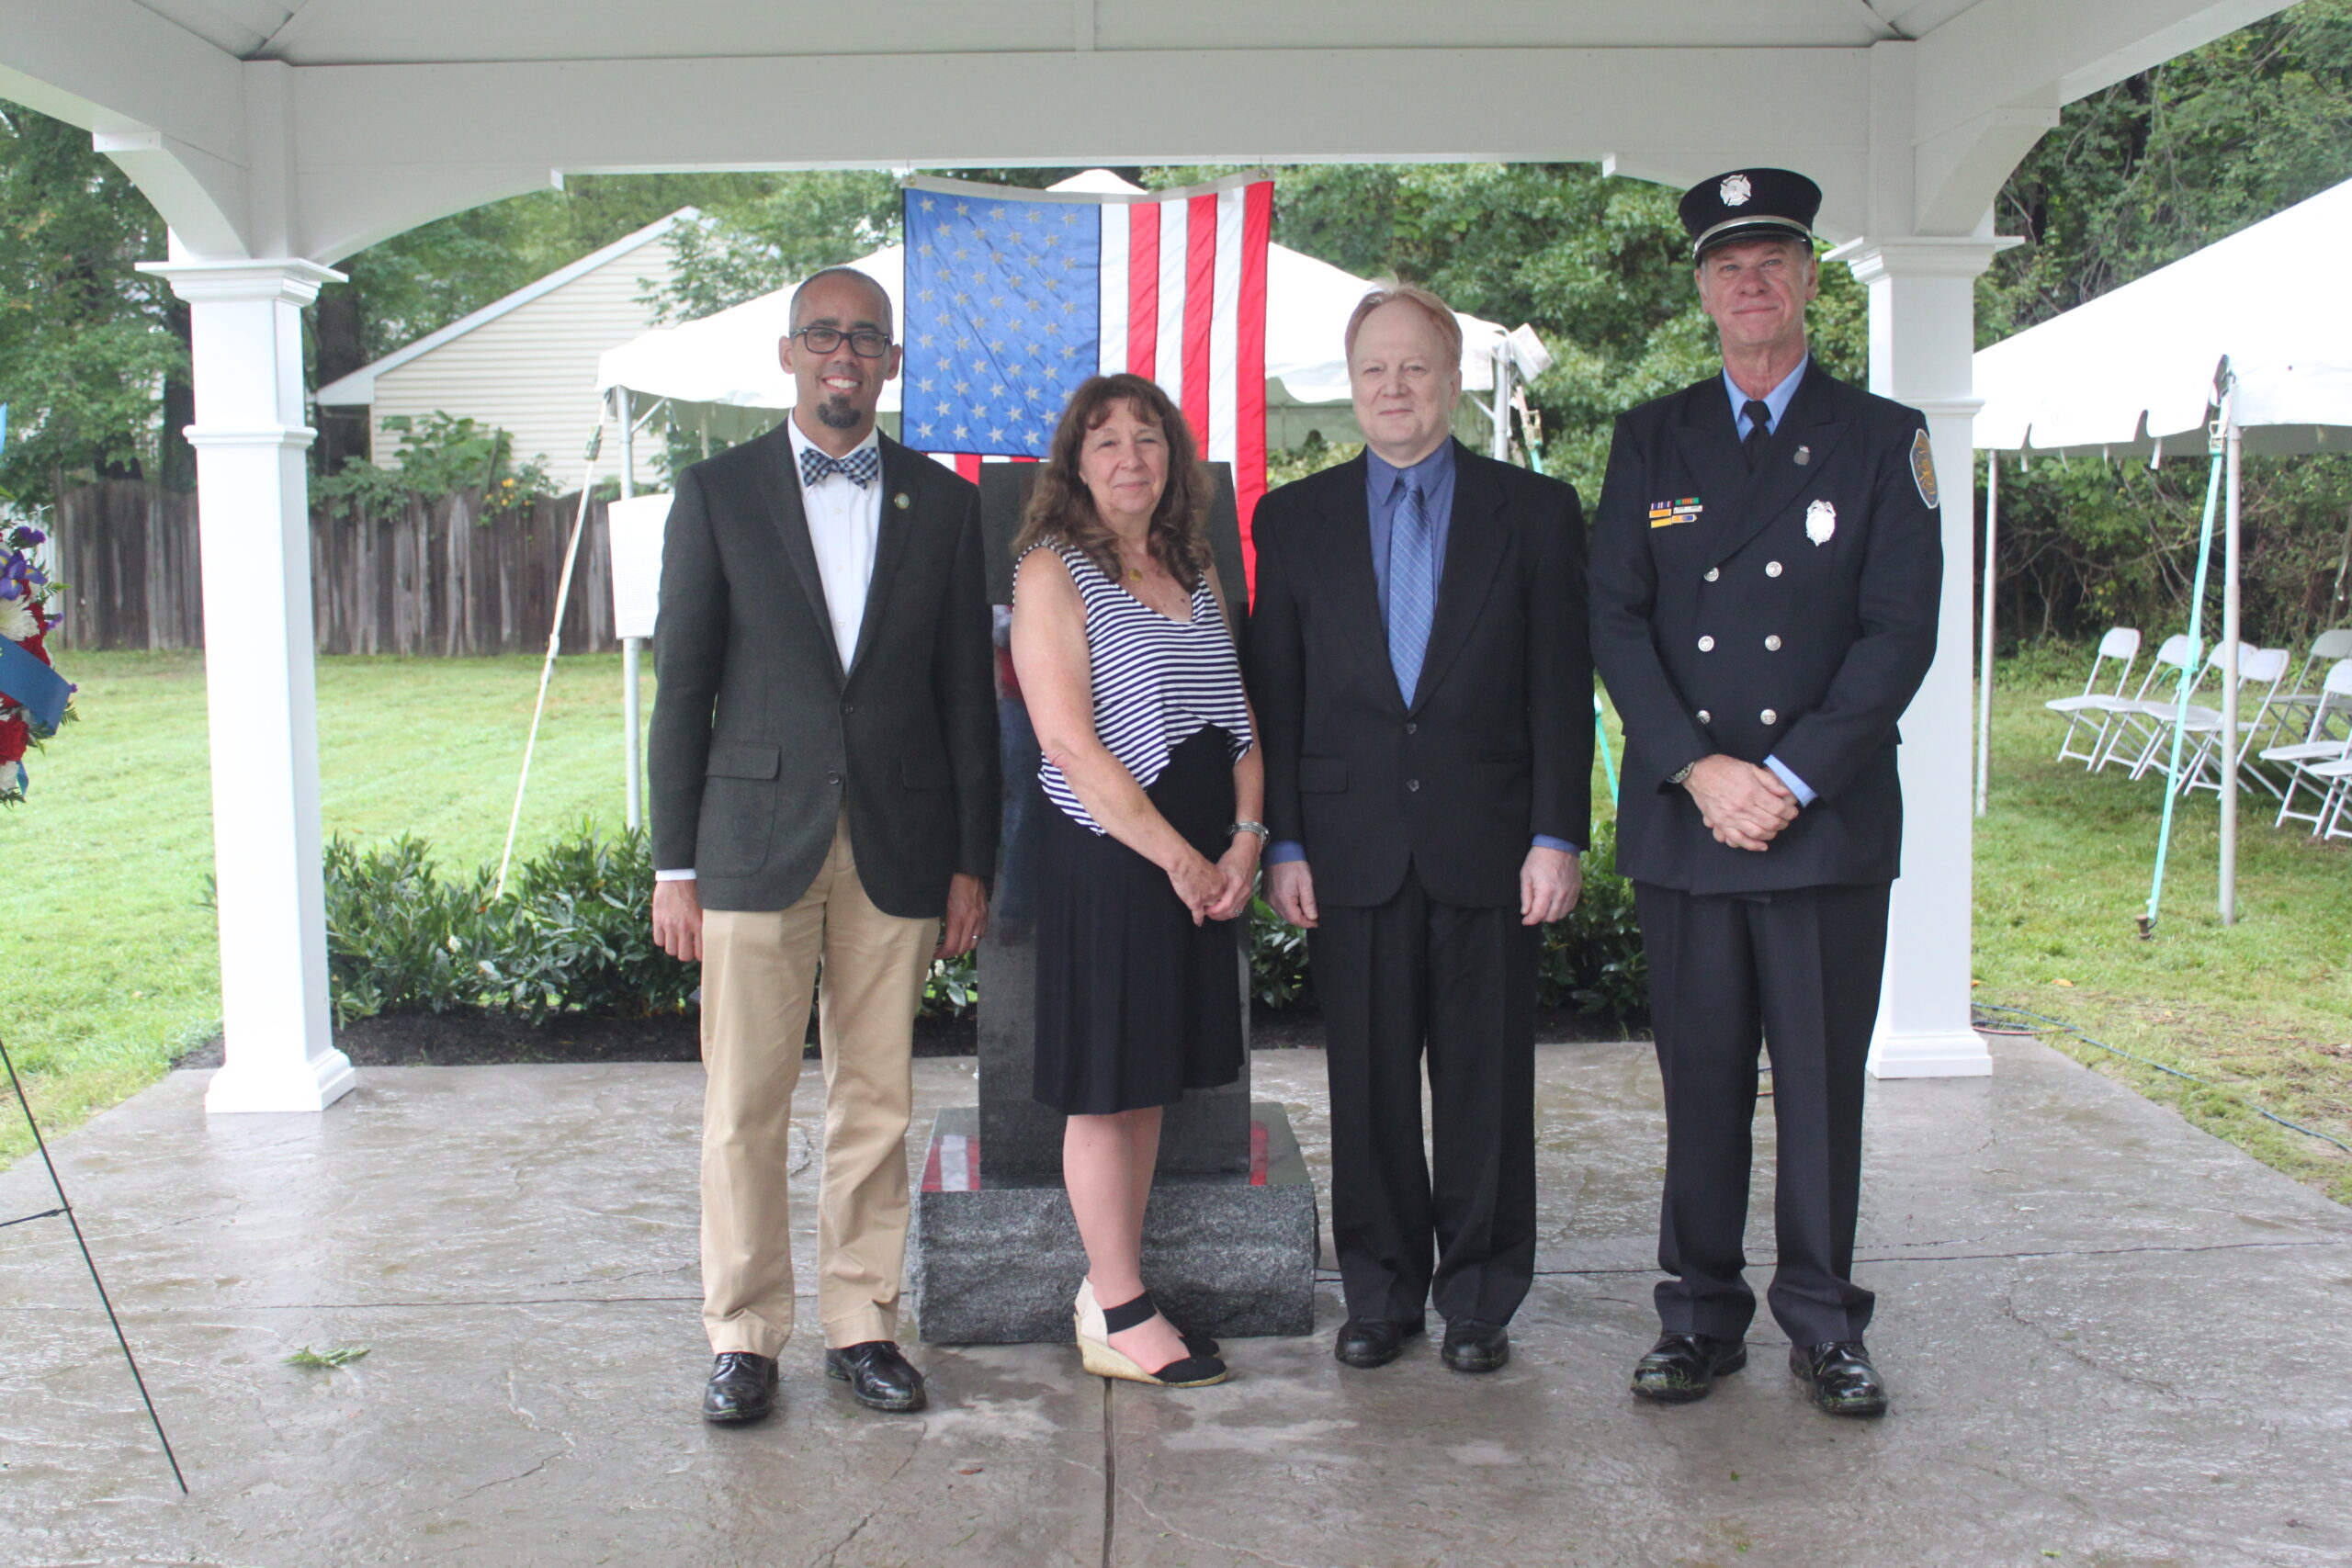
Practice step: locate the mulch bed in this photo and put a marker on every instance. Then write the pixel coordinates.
(474, 1037)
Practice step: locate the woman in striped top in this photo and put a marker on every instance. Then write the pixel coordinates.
(1123, 648)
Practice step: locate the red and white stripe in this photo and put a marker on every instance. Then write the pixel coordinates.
(1183, 302)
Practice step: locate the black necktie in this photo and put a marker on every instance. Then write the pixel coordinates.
(1758, 414)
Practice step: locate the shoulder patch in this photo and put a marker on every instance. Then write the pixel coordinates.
(1923, 469)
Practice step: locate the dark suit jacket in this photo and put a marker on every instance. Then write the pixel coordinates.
(1854, 618)
(760, 738)
(1497, 744)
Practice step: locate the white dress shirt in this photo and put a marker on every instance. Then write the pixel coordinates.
(844, 520)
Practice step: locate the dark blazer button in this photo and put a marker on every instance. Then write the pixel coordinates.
(1412, 729)
(1413, 784)
(849, 707)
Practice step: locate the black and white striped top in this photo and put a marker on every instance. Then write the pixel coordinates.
(1157, 681)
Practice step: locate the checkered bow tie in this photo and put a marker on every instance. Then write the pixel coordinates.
(860, 467)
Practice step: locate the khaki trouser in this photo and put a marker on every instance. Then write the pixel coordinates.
(758, 969)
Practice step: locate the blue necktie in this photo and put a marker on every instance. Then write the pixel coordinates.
(1412, 586)
(859, 468)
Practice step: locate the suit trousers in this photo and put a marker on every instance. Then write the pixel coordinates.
(759, 967)
(1400, 981)
(1798, 971)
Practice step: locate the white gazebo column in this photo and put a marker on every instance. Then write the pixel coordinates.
(253, 499)
(1923, 321)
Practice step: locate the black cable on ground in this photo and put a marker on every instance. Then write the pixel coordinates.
(2060, 1026)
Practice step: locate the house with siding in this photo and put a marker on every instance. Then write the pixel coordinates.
(527, 363)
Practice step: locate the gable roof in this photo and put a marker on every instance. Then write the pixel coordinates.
(359, 387)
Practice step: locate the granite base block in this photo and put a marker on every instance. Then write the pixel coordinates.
(994, 1262)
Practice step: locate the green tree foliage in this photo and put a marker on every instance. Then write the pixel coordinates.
(2134, 177)
(88, 345)
(1598, 265)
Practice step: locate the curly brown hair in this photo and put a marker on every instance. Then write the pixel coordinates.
(1061, 509)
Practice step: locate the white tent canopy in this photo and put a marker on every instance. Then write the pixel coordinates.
(2135, 367)
(727, 360)
(2247, 333)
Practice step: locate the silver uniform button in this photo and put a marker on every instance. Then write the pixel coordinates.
(1706, 717)
(1768, 717)
(1772, 568)
(1714, 572)
(1772, 645)
(1706, 645)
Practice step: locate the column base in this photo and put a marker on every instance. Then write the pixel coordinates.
(1940, 1054)
(313, 1083)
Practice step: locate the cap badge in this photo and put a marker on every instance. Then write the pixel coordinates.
(1820, 522)
(1734, 190)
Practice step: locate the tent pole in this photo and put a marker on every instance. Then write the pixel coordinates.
(634, 792)
(1984, 679)
(2233, 443)
(1502, 403)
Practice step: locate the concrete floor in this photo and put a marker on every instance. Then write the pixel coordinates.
(2111, 1339)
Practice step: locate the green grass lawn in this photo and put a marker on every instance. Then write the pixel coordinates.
(115, 955)
(114, 959)
(2263, 1007)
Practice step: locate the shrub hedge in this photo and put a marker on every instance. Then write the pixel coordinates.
(573, 933)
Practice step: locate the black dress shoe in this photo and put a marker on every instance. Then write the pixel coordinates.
(1683, 1367)
(1838, 1375)
(1474, 1346)
(879, 1377)
(742, 1388)
(1371, 1341)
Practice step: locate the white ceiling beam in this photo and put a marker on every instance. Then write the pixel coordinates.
(112, 65)
(378, 140)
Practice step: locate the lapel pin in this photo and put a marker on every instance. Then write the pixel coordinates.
(1805, 456)
(900, 501)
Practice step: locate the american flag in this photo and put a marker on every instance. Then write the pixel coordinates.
(1015, 297)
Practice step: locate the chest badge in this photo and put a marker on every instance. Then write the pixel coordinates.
(1820, 522)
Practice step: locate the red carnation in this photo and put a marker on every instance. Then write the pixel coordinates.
(15, 736)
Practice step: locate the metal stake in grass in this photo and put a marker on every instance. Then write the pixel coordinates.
(65, 1207)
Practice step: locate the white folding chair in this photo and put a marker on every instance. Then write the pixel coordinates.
(2122, 712)
(2145, 721)
(2328, 648)
(2265, 668)
(2329, 739)
(2093, 706)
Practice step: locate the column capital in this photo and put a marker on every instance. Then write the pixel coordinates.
(289, 280)
(1874, 256)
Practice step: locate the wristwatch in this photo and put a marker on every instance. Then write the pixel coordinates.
(1681, 774)
(1260, 829)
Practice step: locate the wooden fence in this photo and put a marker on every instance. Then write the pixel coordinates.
(427, 580)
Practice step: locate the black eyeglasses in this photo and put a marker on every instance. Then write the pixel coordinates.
(866, 342)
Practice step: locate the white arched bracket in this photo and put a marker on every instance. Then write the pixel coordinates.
(260, 687)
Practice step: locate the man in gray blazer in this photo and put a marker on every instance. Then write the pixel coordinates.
(825, 788)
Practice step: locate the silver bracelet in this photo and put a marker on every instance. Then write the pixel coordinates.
(1263, 832)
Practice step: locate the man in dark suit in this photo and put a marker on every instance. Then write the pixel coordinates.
(1424, 694)
(1765, 569)
(825, 788)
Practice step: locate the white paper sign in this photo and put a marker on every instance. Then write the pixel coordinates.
(636, 527)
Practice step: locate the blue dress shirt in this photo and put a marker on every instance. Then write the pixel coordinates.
(1383, 484)
(1777, 401)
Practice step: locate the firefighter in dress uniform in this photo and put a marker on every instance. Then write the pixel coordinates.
(1765, 566)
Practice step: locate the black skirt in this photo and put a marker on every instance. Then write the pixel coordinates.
(1136, 1004)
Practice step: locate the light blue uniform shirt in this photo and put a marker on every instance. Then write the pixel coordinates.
(1778, 400)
